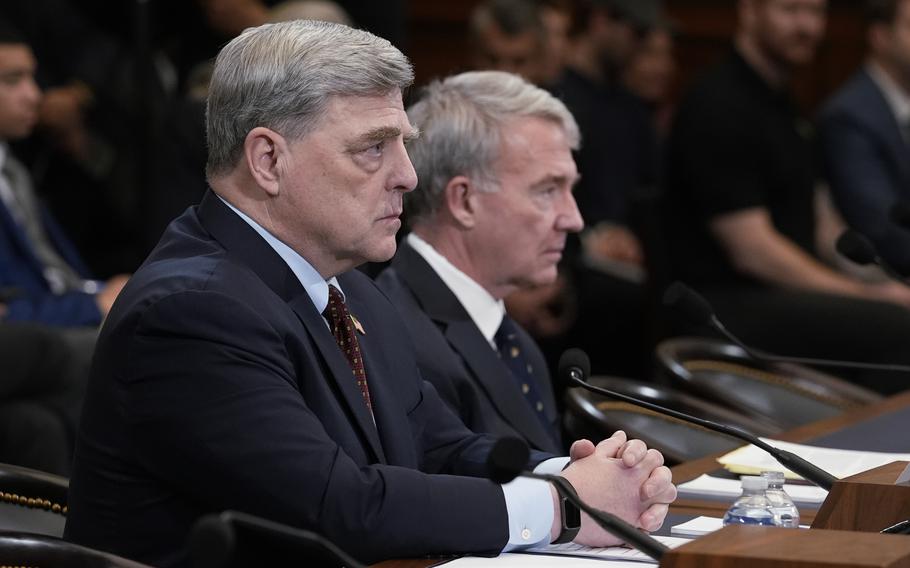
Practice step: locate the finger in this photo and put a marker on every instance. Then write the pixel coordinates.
(653, 518)
(658, 488)
(581, 449)
(610, 446)
(632, 452)
(652, 460)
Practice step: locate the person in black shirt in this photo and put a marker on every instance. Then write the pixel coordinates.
(741, 217)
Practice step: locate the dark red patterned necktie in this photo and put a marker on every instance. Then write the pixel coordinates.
(343, 329)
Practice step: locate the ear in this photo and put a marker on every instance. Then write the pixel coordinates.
(877, 36)
(265, 151)
(461, 201)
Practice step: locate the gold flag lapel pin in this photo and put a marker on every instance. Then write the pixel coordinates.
(357, 325)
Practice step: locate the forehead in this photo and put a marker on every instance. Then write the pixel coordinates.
(354, 114)
(16, 57)
(535, 147)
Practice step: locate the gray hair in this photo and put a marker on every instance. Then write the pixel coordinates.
(281, 76)
(461, 119)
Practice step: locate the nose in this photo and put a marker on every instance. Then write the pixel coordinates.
(569, 218)
(404, 178)
(31, 91)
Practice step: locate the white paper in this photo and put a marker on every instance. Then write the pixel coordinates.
(697, 527)
(701, 526)
(705, 486)
(904, 477)
(512, 560)
(839, 463)
(610, 553)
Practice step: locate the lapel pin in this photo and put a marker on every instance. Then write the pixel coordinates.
(357, 325)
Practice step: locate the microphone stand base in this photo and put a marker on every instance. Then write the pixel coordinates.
(868, 501)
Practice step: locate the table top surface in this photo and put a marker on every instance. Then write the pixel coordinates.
(863, 428)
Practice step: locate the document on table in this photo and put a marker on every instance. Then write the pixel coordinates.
(569, 554)
(701, 526)
(750, 460)
(708, 486)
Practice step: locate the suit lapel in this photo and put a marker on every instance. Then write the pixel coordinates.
(885, 123)
(244, 244)
(493, 376)
(340, 370)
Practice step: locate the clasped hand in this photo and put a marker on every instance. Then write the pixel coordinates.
(622, 477)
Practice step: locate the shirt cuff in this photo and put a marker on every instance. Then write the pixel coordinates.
(529, 505)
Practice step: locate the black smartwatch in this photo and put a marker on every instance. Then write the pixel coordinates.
(569, 515)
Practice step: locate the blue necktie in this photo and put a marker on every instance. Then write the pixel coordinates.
(510, 352)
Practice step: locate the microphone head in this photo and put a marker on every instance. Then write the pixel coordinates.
(856, 247)
(212, 542)
(689, 304)
(900, 214)
(507, 459)
(574, 358)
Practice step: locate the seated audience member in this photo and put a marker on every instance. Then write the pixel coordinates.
(512, 36)
(41, 389)
(864, 133)
(40, 271)
(741, 217)
(617, 163)
(248, 366)
(488, 219)
(651, 72)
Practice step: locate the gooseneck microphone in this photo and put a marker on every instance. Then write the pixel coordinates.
(233, 538)
(691, 306)
(575, 367)
(507, 460)
(857, 248)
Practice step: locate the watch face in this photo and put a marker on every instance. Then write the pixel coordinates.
(572, 518)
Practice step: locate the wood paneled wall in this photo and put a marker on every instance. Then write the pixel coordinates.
(438, 44)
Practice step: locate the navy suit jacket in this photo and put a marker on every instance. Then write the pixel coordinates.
(23, 272)
(867, 162)
(454, 355)
(217, 385)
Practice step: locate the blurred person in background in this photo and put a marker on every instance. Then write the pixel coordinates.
(864, 133)
(741, 213)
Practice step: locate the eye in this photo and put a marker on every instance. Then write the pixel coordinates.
(375, 151)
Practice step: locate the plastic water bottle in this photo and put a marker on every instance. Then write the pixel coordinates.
(752, 507)
(785, 512)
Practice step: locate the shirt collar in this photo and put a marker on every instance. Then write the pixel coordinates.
(316, 287)
(485, 311)
(897, 98)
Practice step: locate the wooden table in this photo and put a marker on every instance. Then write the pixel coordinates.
(690, 470)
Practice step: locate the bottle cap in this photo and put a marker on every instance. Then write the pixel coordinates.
(773, 476)
(754, 483)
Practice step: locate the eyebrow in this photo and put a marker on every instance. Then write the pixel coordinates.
(384, 133)
(558, 180)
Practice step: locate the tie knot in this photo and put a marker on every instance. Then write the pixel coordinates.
(507, 332)
(336, 311)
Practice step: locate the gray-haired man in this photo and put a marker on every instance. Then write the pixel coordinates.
(246, 366)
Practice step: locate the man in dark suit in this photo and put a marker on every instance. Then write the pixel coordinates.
(42, 278)
(865, 134)
(247, 366)
(488, 219)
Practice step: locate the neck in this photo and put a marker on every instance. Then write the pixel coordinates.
(771, 71)
(893, 71)
(584, 60)
(450, 243)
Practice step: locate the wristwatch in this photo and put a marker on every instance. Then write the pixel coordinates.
(569, 514)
